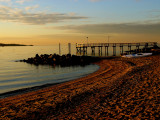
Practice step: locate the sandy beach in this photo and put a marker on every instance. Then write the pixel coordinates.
(123, 88)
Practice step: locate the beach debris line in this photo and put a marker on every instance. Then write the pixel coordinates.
(64, 60)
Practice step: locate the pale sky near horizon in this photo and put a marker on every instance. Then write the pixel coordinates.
(46, 22)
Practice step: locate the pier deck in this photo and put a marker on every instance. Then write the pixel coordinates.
(82, 48)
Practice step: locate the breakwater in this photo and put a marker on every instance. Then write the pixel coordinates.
(64, 60)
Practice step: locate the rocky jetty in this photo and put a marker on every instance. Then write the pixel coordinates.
(64, 60)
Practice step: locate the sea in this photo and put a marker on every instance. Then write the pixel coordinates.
(19, 75)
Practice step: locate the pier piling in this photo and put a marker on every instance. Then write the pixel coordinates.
(69, 48)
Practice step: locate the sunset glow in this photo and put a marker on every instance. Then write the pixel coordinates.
(48, 22)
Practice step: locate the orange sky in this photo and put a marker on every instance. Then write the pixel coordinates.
(71, 21)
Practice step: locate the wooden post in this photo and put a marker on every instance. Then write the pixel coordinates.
(114, 49)
(129, 48)
(146, 46)
(59, 49)
(107, 50)
(80, 50)
(93, 50)
(86, 51)
(137, 48)
(83, 50)
(99, 50)
(69, 48)
(77, 50)
(121, 49)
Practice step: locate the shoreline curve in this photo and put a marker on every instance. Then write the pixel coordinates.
(121, 88)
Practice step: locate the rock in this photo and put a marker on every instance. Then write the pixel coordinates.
(64, 60)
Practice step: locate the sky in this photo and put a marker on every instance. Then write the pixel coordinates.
(48, 22)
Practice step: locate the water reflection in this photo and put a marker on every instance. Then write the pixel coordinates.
(17, 75)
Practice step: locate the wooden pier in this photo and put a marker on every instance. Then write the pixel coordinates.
(82, 48)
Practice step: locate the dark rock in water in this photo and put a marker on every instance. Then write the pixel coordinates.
(64, 60)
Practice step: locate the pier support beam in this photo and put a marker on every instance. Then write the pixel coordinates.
(121, 49)
(129, 48)
(69, 48)
(114, 49)
(106, 50)
(100, 50)
(137, 49)
(84, 50)
(59, 49)
(146, 46)
(93, 50)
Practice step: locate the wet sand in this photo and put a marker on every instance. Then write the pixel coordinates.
(121, 89)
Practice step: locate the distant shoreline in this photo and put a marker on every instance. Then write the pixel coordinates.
(3, 45)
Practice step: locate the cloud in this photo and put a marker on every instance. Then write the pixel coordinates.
(31, 7)
(154, 14)
(132, 28)
(22, 1)
(5, 0)
(20, 16)
(16, 1)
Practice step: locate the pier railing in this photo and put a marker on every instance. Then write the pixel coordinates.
(116, 44)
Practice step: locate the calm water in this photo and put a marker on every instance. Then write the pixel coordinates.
(18, 75)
